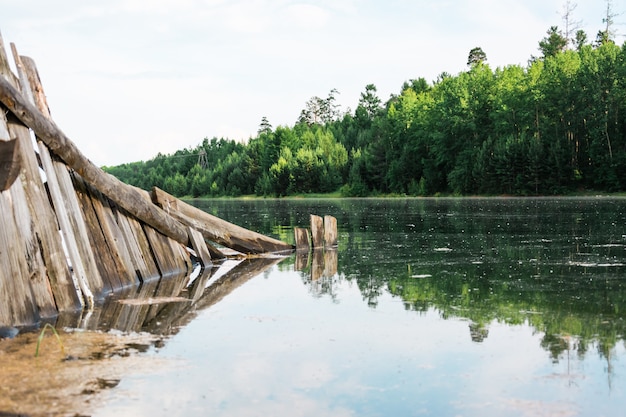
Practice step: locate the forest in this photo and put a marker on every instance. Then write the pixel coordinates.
(554, 126)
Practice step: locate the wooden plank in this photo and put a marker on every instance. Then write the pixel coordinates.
(199, 246)
(115, 238)
(168, 257)
(34, 273)
(317, 231)
(62, 194)
(216, 229)
(108, 266)
(47, 260)
(138, 246)
(17, 306)
(302, 238)
(330, 231)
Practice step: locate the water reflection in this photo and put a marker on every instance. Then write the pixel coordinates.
(164, 306)
(556, 264)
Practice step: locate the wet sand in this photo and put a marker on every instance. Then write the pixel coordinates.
(69, 380)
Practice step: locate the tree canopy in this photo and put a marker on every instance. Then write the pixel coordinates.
(553, 126)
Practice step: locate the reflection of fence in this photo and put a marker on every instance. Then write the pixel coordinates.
(71, 234)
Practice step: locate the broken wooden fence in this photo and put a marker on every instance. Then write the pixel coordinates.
(69, 233)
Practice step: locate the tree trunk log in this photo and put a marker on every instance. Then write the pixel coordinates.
(216, 229)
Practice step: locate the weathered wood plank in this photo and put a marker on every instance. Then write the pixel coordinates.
(117, 245)
(62, 192)
(216, 229)
(17, 306)
(168, 257)
(330, 231)
(137, 245)
(78, 229)
(317, 231)
(199, 246)
(110, 269)
(43, 240)
(34, 271)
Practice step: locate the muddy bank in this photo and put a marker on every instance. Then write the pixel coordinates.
(116, 340)
(67, 380)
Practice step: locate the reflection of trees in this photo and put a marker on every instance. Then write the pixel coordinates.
(544, 263)
(553, 264)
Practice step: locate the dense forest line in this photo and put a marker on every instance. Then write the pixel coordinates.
(555, 126)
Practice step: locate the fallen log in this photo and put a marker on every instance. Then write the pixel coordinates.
(217, 230)
(123, 195)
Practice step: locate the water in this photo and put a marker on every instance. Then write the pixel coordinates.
(441, 307)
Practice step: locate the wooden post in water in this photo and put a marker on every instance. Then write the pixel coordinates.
(317, 231)
(330, 231)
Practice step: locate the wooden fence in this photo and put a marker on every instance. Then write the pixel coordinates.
(71, 234)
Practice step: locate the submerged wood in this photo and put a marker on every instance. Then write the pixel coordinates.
(218, 230)
(125, 196)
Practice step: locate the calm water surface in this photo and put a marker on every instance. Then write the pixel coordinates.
(441, 307)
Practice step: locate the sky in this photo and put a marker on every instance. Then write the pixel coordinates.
(128, 79)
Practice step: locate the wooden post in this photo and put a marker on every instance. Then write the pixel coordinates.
(330, 231)
(303, 239)
(198, 245)
(317, 231)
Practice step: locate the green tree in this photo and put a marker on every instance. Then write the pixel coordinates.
(554, 43)
(476, 56)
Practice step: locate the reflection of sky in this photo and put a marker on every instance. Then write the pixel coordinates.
(271, 349)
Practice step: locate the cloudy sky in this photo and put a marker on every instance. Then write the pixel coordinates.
(126, 79)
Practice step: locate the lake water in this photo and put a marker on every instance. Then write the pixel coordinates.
(436, 307)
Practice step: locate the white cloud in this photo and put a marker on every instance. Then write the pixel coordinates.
(128, 78)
